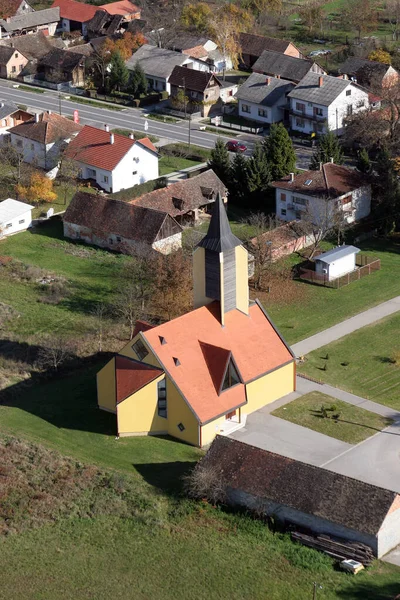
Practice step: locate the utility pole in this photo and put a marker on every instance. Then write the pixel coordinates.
(316, 585)
(59, 100)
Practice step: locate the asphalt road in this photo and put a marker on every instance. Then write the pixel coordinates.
(129, 118)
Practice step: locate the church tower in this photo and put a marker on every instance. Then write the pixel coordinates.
(220, 270)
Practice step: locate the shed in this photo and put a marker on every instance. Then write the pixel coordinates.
(14, 216)
(337, 262)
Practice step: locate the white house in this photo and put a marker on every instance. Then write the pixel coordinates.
(320, 196)
(43, 138)
(114, 161)
(158, 64)
(14, 216)
(337, 262)
(321, 102)
(263, 98)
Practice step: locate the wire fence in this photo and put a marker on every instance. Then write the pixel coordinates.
(365, 265)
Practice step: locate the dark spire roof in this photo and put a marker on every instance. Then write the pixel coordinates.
(219, 236)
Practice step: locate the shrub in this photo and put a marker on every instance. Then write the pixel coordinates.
(205, 482)
(164, 95)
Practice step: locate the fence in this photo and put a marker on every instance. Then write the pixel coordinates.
(365, 265)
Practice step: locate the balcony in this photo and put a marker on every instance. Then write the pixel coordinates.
(308, 116)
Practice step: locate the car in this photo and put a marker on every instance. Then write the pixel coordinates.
(320, 52)
(235, 146)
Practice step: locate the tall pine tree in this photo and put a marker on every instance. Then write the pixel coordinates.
(239, 183)
(386, 193)
(328, 147)
(138, 81)
(279, 151)
(259, 175)
(119, 74)
(219, 161)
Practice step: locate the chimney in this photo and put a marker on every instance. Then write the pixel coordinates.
(320, 81)
(49, 111)
(106, 127)
(331, 159)
(131, 136)
(268, 80)
(36, 118)
(111, 138)
(291, 177)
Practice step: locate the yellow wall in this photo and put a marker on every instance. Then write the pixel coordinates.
(179, 412)
(242, 279)
(209, 431)
(270, 387)
(106, 386)
(138, 413)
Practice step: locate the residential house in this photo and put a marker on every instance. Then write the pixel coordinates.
(115, 162)
(10, 116)
(264, 99)
(336, 262)
(33, 46)
(12, 62)
(322, 102)
(368, 73)
(252, 46)
(201, 88)
(62, 66)
(228, 91)
(321, 196)
(305, 496)
(284, 66)
(205, 371)
(31, 22)
(14, 216)
(186, 200)
(11, 8)
(43, 138)
(158, 64)
(76, 16)
(203, 49)
(120, 226)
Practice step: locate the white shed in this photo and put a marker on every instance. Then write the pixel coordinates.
(14, 216)
(337, 262)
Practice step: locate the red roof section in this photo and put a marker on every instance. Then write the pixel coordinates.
(251, 340)
(131, 375)
(75, 11)
(92, 146)
(123, 8)
(141, 326)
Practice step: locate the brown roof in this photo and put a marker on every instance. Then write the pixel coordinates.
(92, 146)
(33, 46)
(104, 216)
(329, 182)
(192, 79)
(306, 488)
(75, 11)
(141, 326)
(49, 128)
(63, 60)
(131, 375)
(255, 44)
(183, 196)
(8, 8)
(284, 234)
(196, 52)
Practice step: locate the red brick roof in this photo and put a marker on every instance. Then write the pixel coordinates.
(123, 7)
(329, 182)
(92, 146)
(47, 129)
(131, 375)
(75, 11)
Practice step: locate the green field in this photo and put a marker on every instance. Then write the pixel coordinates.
(353, 424)
(366, 362)
(169, 164)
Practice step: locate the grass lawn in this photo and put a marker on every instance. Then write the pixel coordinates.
(353, 425)
(168, 164)
(366, 362)
(307, 308)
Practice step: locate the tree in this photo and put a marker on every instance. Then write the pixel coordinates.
(54, 351)
(180, 101)
(14, 160)
(128, 305)
(328, 147)
(128, 44)
(196, 16)
(173, 282)
(138, 82)
(219, 161)
(119, 73)
(380, 55)
(99, 314)
(279, 151)
(318, 221)
(225, 26)
(101, 60)
(239, 180)
(39, 189)
(392, 15)
(363, 161)
(259, 175)
(67, 177)
(312, 14)
(386, 191)
(360, 15)
(259, 247)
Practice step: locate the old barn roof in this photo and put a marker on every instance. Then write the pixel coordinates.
(287, 67)
(31, 19)
(306, 488)
(33, 46)
(158, 62)
(255, 44)
(64, 60)
(48, 128)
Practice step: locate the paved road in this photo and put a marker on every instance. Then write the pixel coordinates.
(348, 326)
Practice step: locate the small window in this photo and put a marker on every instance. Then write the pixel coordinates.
(162, 398)
(231, 378)
(111, 241)
(262, 112)
(118, 239)
(349, 110)
(283, 197)
(245, 108)
(300, 106)
(181, 427)
(16, 55)
(140, 349)
(134, 172)
(8, 225)
(105, 178)
(283, 212)
(21, 67)
(300, 123)
(307, 182)
(21, 221)
(19, 143)
(13, 69)
(348, 92)
(32, 146)
(318, 112)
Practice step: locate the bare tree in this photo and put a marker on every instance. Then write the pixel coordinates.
(392, 14)
(127, 306)
(55, 350)
(67, 177)
(318, 220)
(260, 247)
(99, 313)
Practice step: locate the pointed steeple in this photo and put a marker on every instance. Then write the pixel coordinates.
(219, 236)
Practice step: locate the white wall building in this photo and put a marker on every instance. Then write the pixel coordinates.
(113, 161)
(14, 216)
(321, 102)
(321, 196)
(263, 98)
(336, 262)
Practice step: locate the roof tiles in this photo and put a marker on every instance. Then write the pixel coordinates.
(131, 376)
(47, 129)
(75, 11)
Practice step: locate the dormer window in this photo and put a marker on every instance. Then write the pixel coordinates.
(162, 340)
(140, 349)
(231, 376)
(178, 203)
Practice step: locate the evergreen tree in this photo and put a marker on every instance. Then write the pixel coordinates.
(239, 180)
(386, 193)
(363, 162)
(138, 81)
(219, 161)
(119, 74)
(259, 175)
(280, 152)
(328, 147)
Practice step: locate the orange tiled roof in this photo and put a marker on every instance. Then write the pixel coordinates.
(92, 146)
(251, 339)
(75, 11)
(123, 8)
(131, 375)
(196, 52)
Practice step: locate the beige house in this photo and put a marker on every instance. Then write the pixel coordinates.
(12, 61)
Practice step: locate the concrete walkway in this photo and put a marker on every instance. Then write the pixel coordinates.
(348, 326)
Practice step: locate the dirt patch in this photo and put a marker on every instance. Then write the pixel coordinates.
(280, 287)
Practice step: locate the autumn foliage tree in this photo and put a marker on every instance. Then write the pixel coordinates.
(39, 189)
(196, 16)
(173, 284)
(225, 26)
(380, 55)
